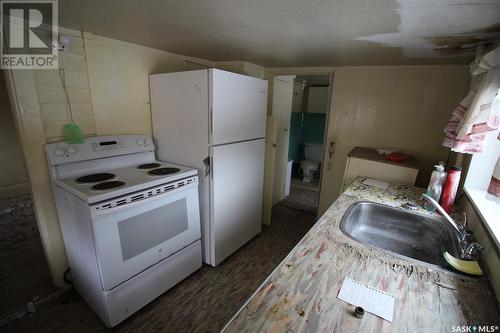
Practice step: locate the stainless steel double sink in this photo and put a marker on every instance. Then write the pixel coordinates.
(404, 233)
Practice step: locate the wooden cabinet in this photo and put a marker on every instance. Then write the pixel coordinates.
(367, 162)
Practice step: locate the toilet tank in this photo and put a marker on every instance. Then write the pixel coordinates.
(313, 152)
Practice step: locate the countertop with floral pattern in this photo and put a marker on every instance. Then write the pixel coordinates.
(301, 294)
(395, 195)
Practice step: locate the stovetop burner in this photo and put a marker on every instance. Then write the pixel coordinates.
(163, 171)
(149, 166)
(108, 185)
(95, 177)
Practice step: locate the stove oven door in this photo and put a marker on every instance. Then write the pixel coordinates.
(134, 236)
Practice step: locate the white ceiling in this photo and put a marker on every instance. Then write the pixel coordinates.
(278, 33)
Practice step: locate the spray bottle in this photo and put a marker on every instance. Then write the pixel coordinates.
(435, 187)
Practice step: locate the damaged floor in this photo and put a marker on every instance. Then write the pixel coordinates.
(203, 302)
(24, 274)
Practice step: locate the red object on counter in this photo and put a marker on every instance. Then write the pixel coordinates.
(450, 188)
(396, 157)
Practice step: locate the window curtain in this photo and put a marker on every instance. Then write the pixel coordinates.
(478, 112)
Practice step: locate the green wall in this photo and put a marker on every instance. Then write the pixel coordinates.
(313, 128)
(305, 127)
(295, 136)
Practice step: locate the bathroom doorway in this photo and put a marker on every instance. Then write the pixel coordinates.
(300, 110)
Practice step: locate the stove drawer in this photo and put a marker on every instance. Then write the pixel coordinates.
(133, 294)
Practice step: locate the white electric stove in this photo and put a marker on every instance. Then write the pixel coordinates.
(130, 223)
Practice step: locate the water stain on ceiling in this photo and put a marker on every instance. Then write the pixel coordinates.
(447, 28)
(467, 43)
(451, 45)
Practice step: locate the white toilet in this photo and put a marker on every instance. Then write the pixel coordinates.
(314, 156)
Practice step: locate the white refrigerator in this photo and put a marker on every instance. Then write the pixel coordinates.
(215, 121)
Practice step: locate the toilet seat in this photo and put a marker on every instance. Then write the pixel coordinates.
(309, 164)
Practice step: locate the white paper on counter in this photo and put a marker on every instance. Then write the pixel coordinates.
(376, 183)
(370, 299)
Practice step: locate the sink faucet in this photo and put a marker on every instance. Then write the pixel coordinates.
(469, 249)
(459, 229)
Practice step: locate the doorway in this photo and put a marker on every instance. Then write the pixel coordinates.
(24, 274)
(300, 106)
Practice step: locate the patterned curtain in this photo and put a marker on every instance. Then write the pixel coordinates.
(478, 112)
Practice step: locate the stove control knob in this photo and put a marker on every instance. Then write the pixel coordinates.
(72, 150)
(146, 141)
(140, 141)
(60, 151)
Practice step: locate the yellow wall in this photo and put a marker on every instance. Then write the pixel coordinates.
(118, 74)
(13, 179)
(109, 95)
(52, 98)
(107, 83)
(402, 107)
(28, 118)
(243, 67)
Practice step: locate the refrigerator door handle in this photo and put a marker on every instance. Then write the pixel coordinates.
(206, 162)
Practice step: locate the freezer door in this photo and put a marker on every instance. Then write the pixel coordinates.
(236, 196)
(239, 106)
(179, 108)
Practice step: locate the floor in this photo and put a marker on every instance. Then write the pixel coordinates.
(303, 197)
(314, 186)
(24, 275)
(203, 302)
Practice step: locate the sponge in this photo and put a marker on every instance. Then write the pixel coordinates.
(464, 266)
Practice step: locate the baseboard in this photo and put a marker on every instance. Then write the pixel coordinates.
(14, 190)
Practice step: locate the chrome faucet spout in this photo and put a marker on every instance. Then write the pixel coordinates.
(469, 249)
(441, 211)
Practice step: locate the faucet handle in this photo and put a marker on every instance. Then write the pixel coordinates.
(463, 225)
(467, 236)
(472, 251)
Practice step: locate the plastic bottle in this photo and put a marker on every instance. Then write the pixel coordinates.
(435, 185)
(450, 188)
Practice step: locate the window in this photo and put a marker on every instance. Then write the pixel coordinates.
(477, 182)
